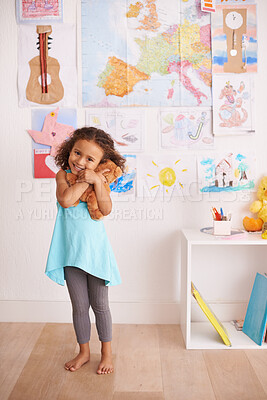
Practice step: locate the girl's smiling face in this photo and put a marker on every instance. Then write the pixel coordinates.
(84, 154)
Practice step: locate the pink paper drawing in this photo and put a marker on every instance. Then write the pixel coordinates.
(53, 133)
(33, 9)
(39, 9)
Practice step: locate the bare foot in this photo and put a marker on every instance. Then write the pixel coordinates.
(77, 362)
(105, 366)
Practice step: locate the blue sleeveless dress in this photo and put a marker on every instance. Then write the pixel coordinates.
(79, 241)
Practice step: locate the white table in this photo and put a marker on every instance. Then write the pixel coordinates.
(202, 335)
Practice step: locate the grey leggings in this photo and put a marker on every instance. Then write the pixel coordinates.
(86, 290)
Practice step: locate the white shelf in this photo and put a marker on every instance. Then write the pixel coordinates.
(202, 335)
(194, 236)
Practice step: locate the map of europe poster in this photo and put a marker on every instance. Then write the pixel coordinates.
(145, 53)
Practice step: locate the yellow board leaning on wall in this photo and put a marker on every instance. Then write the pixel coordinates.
(211, 316)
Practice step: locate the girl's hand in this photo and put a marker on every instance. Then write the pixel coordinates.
(91, 177)
(87, 175)
(101, 176)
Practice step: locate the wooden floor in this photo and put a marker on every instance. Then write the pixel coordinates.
(150, 363)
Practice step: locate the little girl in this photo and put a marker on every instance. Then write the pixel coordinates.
(80, 252)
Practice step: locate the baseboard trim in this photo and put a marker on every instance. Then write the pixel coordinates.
(61, 312)
(122, 312)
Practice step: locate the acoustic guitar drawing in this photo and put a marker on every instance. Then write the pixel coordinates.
(38, 89)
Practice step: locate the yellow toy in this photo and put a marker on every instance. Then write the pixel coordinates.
(259, 206)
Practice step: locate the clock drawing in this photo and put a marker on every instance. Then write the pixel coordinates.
(234, 20)
(234, 26)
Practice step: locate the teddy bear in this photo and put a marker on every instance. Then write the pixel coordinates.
(89, 195)
(259, 206)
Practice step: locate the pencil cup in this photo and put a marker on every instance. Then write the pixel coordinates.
(222, 228)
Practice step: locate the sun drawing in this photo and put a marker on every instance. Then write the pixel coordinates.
(167, 176)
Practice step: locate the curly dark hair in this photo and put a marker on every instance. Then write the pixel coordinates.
(99, 137)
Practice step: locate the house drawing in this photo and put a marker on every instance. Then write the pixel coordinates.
(224, 175)
(227, 172)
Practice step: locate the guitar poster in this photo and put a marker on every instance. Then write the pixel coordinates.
(57, 49)
(31, 11)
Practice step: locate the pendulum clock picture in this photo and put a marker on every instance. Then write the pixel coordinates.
(234, 26)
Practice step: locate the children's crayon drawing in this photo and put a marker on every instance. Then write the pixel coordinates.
(234, 38)
(165, 175)
(60, 84)
(125, 126)
(50, 127)
(229, 172)
(233, 104)
(125, 185)
(186, 127)
(30, 11)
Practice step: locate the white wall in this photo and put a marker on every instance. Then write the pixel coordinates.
(147, 250)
